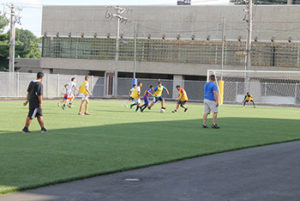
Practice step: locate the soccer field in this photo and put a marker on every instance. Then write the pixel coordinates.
(115, 138)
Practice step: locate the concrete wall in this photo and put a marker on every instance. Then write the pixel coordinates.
(143, 67)
(28, 65)
(276, 21)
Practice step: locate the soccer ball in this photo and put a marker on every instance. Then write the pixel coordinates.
(162, 111)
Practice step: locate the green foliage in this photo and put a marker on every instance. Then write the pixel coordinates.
(115, 138)
(26, 45)
(240, 2)
(4, 44)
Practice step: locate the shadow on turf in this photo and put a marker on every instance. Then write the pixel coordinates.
(35, 159)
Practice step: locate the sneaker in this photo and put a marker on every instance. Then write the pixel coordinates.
(136, 111)
(215, 126)
(44, 130)
(86, 113)
(69, 106)
(25, 130)
(63, 107)
(186, 109)
(79, 113)
(174, 111)
(204, 126)
(149, 108)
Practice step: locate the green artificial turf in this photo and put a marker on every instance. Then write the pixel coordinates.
(115, 138)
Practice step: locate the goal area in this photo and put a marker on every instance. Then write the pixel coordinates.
(266, 87)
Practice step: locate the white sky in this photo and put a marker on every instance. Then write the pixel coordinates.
(32, 9)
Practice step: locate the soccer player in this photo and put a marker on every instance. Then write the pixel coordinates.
(158, 90)
(210, 101)
(136, 97)
(130, 99)
(69, 93)
(84, 92)
(182, 99)
(35, 100)
(146, 98)
(248, 98)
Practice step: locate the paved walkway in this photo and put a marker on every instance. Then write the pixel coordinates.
(269, 173)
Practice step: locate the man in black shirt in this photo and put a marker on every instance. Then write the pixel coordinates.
(35, 99)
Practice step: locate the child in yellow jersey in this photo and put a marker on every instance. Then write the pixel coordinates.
(136, 97)
(158, 90)
(248, 98)
(182, 99)
(84, 93)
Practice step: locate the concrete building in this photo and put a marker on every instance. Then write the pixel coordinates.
(175, 42)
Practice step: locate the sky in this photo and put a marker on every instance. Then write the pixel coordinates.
(32, 9)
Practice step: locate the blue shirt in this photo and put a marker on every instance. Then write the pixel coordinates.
(209, 89)
(148, 92)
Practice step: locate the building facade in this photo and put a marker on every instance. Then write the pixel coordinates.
(168, 41)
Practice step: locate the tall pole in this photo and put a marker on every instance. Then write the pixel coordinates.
(223, 47)
(249, 17)
(116, 58)
(12, 39)
(120, 19)
(134, 59)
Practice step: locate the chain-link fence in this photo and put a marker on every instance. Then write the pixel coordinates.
(15, 84)
(271, 93)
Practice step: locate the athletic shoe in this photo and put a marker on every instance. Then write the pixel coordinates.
(215, 126)
(136, 111)
(149, 108)
(79, 113)
(25, 130)
(174, 111)
(70, 106)
(186, 109)
(44, 130)
(203, 126)
(86, 113)
(63, 107)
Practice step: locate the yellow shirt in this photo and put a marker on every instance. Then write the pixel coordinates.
(183, 95)
(158, 91)
(249, 98)
(136, 93)
(82, 88)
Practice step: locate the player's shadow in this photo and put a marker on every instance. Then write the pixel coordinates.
(36, 159)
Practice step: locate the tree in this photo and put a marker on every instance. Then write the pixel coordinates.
(261, 2)
(3, 44)
(26, 45)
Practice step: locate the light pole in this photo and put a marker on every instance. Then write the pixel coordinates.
(120, 19)
(249, 19)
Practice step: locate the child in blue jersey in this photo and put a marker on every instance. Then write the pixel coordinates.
(146, 98)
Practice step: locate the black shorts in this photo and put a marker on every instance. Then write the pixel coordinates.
(182, 103)
(158, 98)
(35, 112)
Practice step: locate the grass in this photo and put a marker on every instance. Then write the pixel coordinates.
(115, 138)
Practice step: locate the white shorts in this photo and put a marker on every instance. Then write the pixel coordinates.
(137, 101)
(84, 97)
(210, 106)
(69, 93)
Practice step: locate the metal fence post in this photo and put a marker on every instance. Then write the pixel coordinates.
(57, 89)
(18, 84)
(296, 88)
(92, 85)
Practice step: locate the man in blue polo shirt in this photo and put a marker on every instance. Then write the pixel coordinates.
(210, 101)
